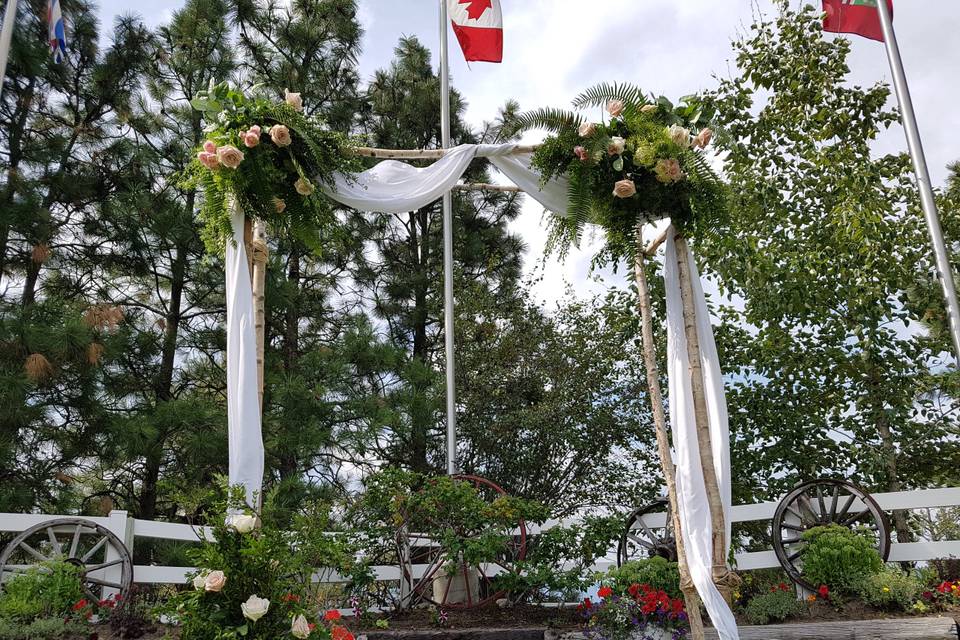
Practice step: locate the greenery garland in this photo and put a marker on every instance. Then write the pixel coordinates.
(646, 163)
(269, 157)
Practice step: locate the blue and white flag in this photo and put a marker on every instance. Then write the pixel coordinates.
(57, 34)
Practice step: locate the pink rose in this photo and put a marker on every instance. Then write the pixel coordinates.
(280, 135)
(587, 129)
(703, 138)
(293, 99)
(581, 153)
(209, 160)
(616, 146)
(251, 138)
(624, 189)
(615, 108)
(210, 146)
(279, 205)
(229, 156)
(668, 171)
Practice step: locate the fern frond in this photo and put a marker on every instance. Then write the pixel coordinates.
(599, 95)
(548, 118)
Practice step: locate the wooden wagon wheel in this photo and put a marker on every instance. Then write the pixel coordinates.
(476, 587)
(642, 538)
(103, 560)
(818, 503)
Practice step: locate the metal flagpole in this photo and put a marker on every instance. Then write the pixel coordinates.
(944, 270)
(6, 35)
(448, 251)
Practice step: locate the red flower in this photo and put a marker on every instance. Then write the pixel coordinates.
(80, 605)
(928, 595)
(333, 614)
(634, 590)
(340, 633)
(823, 591)
(943, 587)
(783, 586)
(291, 597)
(605, 592)
(677, 607)
(587, 603)
(118, 597)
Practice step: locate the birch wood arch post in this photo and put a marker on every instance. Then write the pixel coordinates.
(725, 579)
(690, 596)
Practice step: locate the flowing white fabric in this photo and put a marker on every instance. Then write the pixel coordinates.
(243, 394)
(691, 493)
(397, 187)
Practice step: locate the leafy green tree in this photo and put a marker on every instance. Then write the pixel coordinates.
(830, 369)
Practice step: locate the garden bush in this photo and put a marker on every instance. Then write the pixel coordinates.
(56, 628)
(47, 590)
(774, 606)
(891, 589)
(657, 572)
(839, 558)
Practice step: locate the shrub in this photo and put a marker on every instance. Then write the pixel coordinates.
(948, 569)
(839, 558)
(43, 629)
(46, 590)
(891, 589)
(659, 573)
(773, 606)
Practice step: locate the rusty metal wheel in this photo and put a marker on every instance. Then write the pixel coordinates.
(433, 579)
(818, 503)
(106, 567)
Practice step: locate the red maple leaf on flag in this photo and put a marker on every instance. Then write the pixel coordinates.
(476, 8)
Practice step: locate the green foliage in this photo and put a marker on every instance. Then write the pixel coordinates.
(269, 561)
(56, 628)
(558, 561)
(657, 572)
(773, 606)
(47, 590)
(268, 173)
(891, 589)
(839, 558)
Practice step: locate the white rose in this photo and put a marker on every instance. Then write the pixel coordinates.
(300, 627)
(293, 99)
(214, 581)
(303, 187)
(616, 146)
(242, 522)
(199, 580)
(587, 129)
(648, 108)
(255, 608)
(679, 135)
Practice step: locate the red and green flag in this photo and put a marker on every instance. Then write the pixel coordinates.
(861, 17)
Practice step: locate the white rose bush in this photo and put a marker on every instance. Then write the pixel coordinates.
(645, 161)
(260, 151)
(253, 577)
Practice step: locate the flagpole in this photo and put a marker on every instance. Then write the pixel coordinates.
(448, 250)
(944, 271)
(6, 35)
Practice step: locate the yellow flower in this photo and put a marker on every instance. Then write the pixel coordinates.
(811, 598)
(886, 589)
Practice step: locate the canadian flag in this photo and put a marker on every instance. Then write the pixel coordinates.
(479, 28)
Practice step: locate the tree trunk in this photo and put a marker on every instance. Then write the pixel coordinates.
(888, 450)
(260, 256)
(164, 384)
(17, 129)
(291, 337)
(691, 599)
(725, 579)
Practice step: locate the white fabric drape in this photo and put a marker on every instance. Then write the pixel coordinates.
(397, 187)
(691, 493)
(243, 401)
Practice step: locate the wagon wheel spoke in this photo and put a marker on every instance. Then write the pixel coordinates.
(846, 508)
(823, 507)
(87, 590)
(54, 544)
(75, 541)
(102, 583)
(833, 503)
(640, 541)
(36, 554)
(104, 565)
(89, 554)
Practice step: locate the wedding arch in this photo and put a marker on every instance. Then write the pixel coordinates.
(265, 166)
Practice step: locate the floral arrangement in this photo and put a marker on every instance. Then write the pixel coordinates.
(270, 158)
(644, 613)
(644, 162)
(252, 585)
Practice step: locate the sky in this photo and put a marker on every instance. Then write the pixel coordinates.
(554, 49)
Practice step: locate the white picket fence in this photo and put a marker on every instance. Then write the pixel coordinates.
(129, 529)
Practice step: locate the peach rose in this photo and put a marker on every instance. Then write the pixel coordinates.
(616, 146)
(280, 135)
(210, 146)
(679, 135)
(254, 608)
(703, 138)
(293, 99)
(250, 140)
(587, 129)
(648, 108)
(209, 160)
(624, 189)
(668, 171)
(229, 156)
(300, 628)
(214, 581)
(581, 153)
(615, 108)
(303, 187)
(279, 205)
